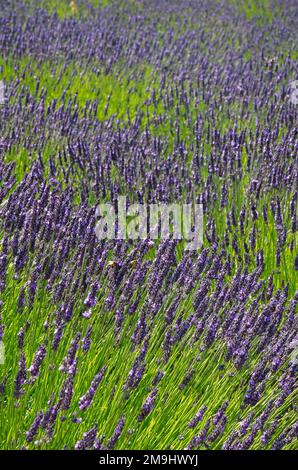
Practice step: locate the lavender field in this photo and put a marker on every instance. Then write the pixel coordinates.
(143, 344)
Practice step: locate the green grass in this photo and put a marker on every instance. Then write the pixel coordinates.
(260, 11)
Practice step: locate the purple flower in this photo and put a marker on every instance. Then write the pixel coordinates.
(21, 377)
(220, 413)
(66, 393)
(34, 369)
(116, 435)
(86, 400)
(148, 405)
(86, 340)
(30, 435)
(197, 418)
(200, 439)
(88, 440)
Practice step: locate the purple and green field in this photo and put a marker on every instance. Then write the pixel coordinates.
(142, 343)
